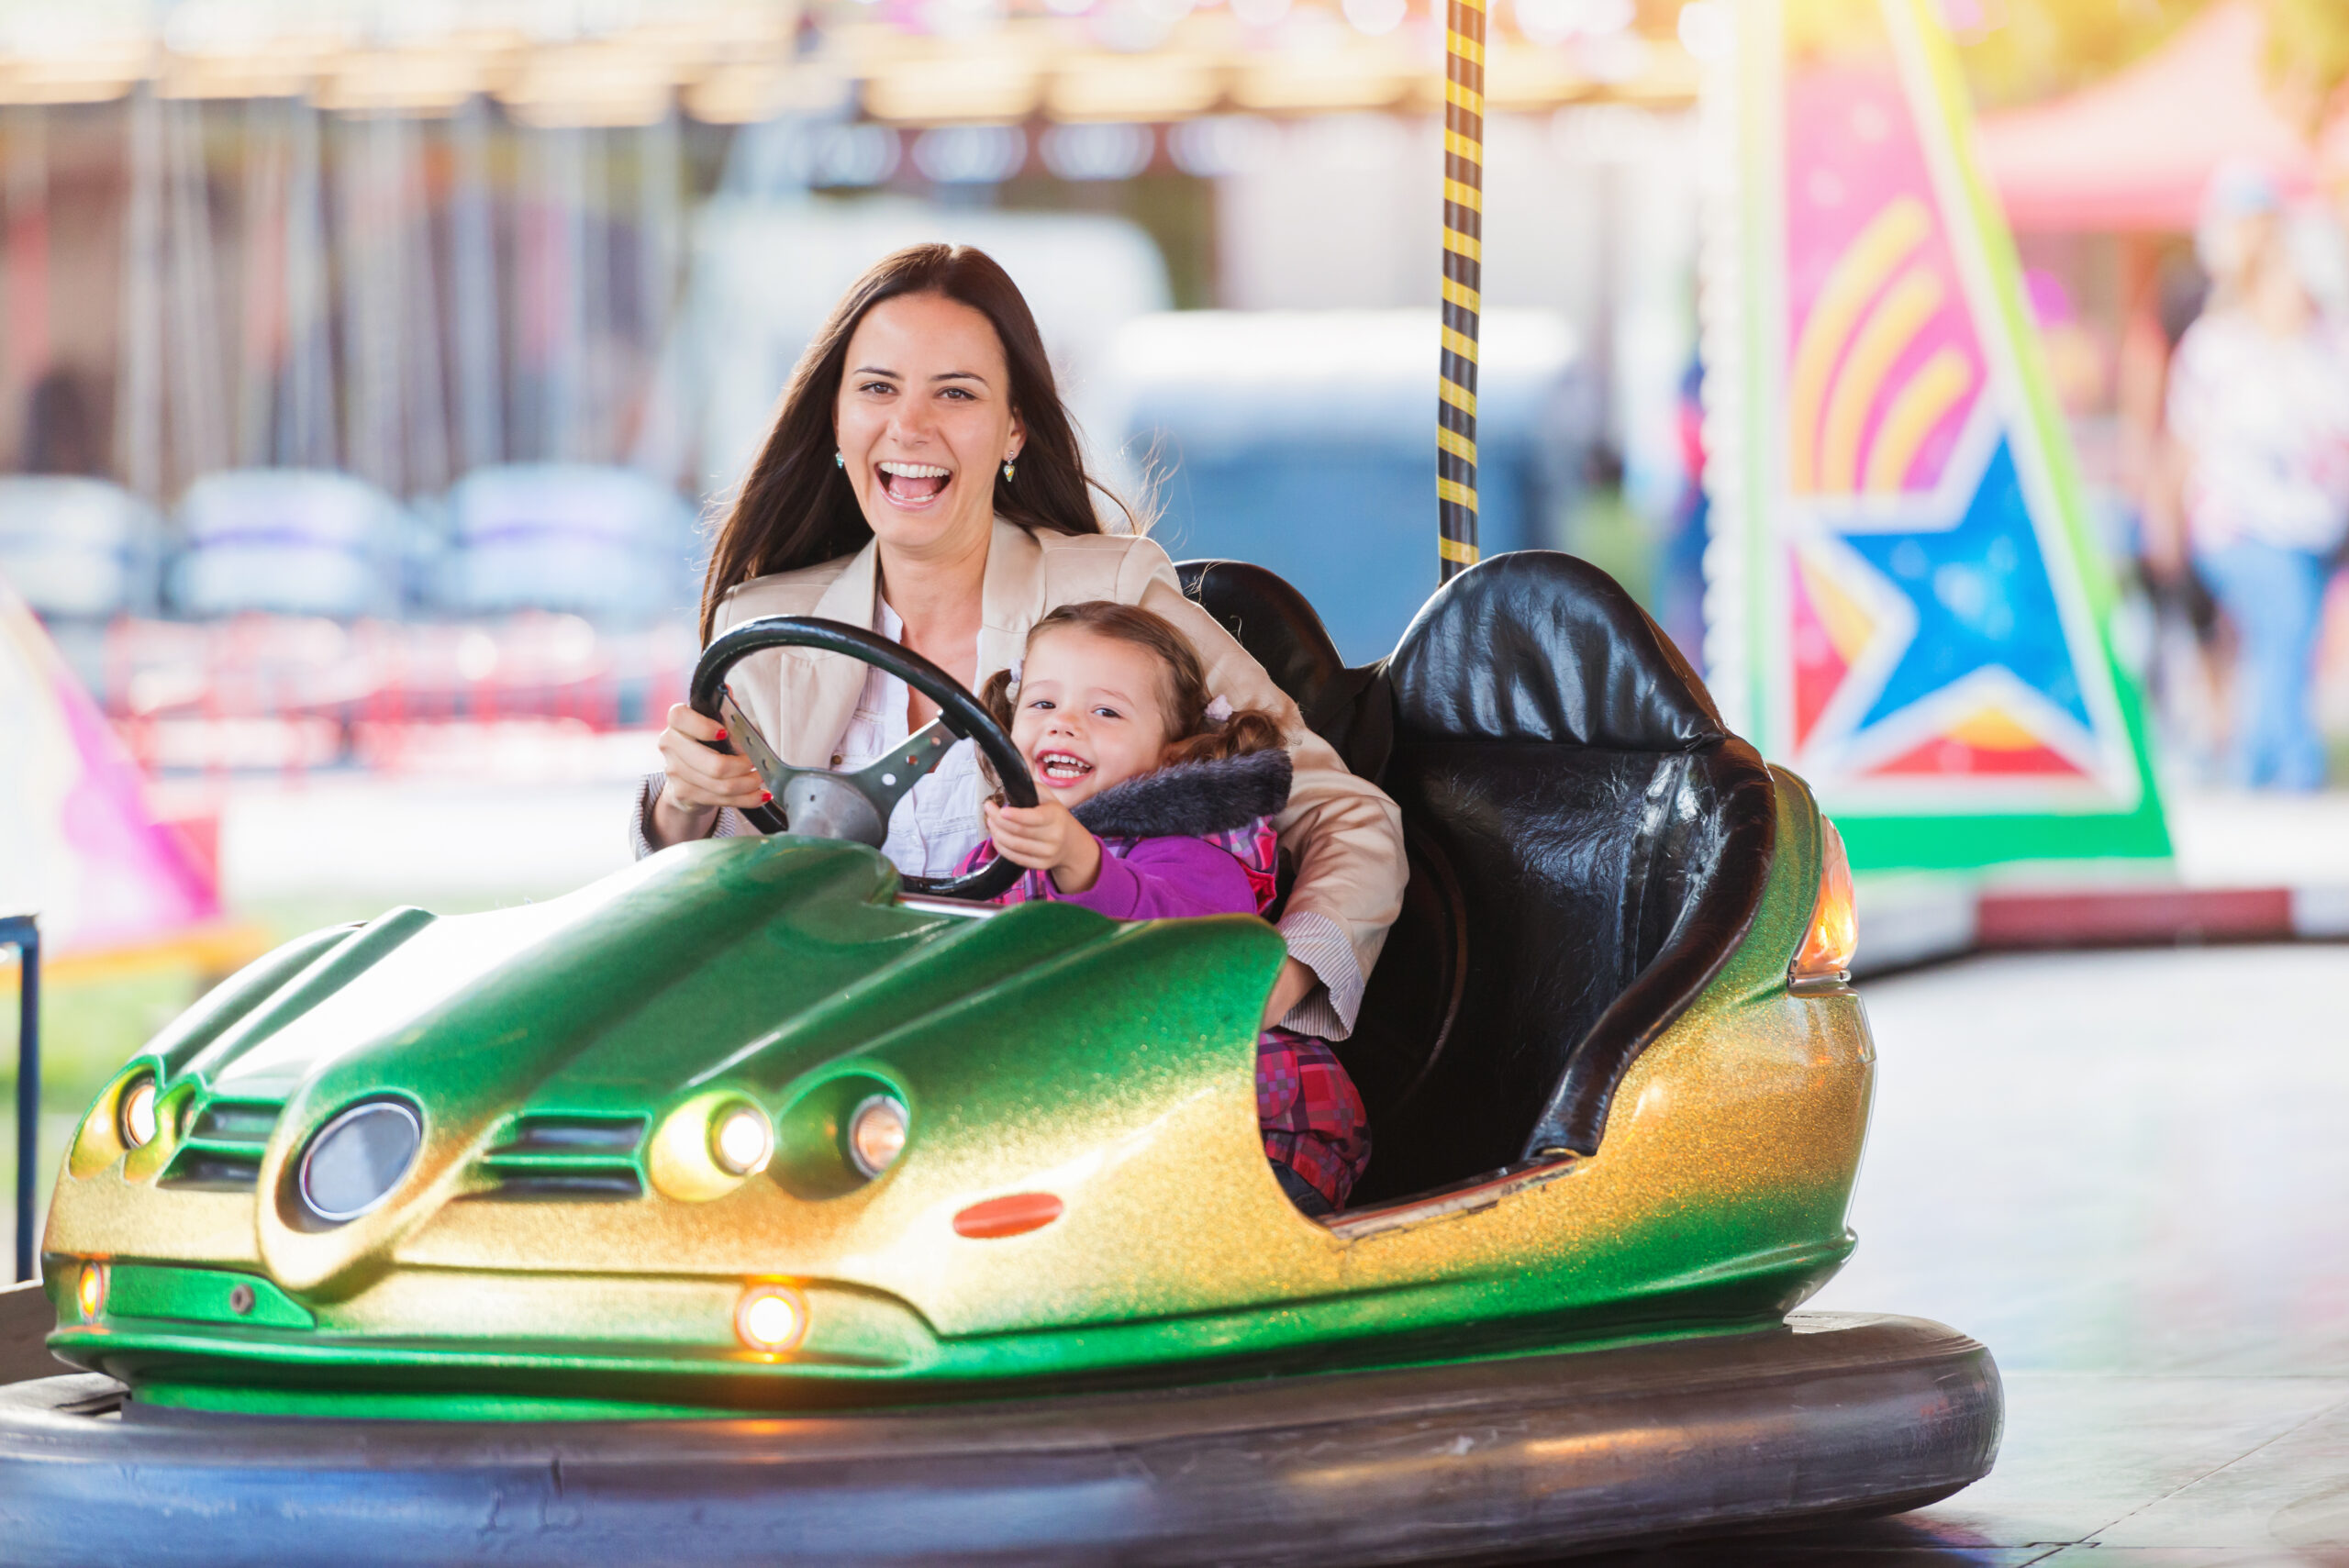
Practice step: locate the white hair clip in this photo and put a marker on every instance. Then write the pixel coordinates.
(1219, 710)
(1018, 666)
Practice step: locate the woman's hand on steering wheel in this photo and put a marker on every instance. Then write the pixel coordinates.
(831, 804)
(698, 778)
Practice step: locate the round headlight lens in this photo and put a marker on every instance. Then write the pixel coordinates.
(137, 1117)
(358, 1157)
(876, 1133)
(90, 1291)
(771, 1318)
(741, 1140)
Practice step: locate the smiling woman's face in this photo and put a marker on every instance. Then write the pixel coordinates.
(924, 420)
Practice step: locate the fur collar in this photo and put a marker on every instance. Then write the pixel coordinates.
(1192, 799)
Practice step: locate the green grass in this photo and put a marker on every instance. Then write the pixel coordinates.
(87, 1029)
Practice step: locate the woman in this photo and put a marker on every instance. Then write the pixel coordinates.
(2259, 407)
(923, 479)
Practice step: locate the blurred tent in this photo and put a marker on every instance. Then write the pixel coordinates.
(300, 238)
(77, 549)
(291, 541)
(1297, 440)
(609, 543)
(2135, 152)
(78, 843)
(906, 62)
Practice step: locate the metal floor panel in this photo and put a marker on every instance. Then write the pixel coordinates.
(2128, 1173)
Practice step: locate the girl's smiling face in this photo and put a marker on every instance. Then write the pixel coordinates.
(1090, 715)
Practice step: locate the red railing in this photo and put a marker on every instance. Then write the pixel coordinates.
(293, 694)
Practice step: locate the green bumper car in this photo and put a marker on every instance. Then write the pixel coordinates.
(748, 1206)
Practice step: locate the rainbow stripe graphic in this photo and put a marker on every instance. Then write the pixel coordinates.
(1902, 601)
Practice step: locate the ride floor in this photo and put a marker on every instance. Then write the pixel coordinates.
(2128, 1173)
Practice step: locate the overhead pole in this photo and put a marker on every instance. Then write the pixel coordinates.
(1463, 272)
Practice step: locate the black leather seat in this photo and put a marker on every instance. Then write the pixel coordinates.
(1280, 630)
(1587, 841)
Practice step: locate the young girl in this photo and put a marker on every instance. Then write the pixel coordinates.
(1157, 800)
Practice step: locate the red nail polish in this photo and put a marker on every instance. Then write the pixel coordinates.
(721, 735)
(765, 795)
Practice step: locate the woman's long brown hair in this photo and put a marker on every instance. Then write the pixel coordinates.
(795, 507)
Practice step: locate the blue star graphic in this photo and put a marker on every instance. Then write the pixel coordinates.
(1983, 599)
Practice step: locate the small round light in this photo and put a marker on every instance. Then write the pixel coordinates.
(742, 1140)
(360, 1156)
(876, 1133)
(771, 1318)
(90, 1291)
(138, 1118)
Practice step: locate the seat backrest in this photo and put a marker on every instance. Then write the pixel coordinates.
(1280, 630)
(1587, 843)
(1570, 791)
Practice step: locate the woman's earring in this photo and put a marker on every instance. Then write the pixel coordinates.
(838, 462)
(1007, 466)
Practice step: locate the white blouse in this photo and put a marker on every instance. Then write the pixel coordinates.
(938, 821)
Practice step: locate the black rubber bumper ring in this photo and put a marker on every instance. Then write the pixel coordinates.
(1830, 1415)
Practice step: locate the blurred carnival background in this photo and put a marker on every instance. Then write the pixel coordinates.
(368, 371)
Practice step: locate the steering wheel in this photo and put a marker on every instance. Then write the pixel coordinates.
(822, 804)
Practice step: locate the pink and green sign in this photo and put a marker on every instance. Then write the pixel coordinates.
(78, 846)
(1903, 602)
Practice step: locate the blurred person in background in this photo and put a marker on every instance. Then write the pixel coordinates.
(2258, 407)
(2191, 645)
(2188, 651)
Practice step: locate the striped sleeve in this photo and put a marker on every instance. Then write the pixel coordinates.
(730, 823)
(1322, 945)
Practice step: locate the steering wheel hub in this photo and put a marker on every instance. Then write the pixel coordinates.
(829, 806)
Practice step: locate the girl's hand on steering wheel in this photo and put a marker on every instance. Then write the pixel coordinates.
(699, 780)
(1046, 837)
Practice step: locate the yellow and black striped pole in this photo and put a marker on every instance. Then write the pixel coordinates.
(1463, 272)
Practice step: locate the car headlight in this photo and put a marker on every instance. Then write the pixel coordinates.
(358, 1157)
(135, 1119)
(741, 1140)
(771, 1318)
(876, 1133)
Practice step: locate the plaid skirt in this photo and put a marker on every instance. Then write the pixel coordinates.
(1311, 1114)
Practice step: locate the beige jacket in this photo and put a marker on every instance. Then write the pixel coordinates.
(1345, 835)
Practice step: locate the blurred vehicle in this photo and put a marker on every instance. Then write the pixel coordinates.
(608, 543)
(288, 541)
(1299, 440)
(81, 553)
(78, 549)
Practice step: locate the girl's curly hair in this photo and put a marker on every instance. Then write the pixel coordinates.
(1183, 688)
